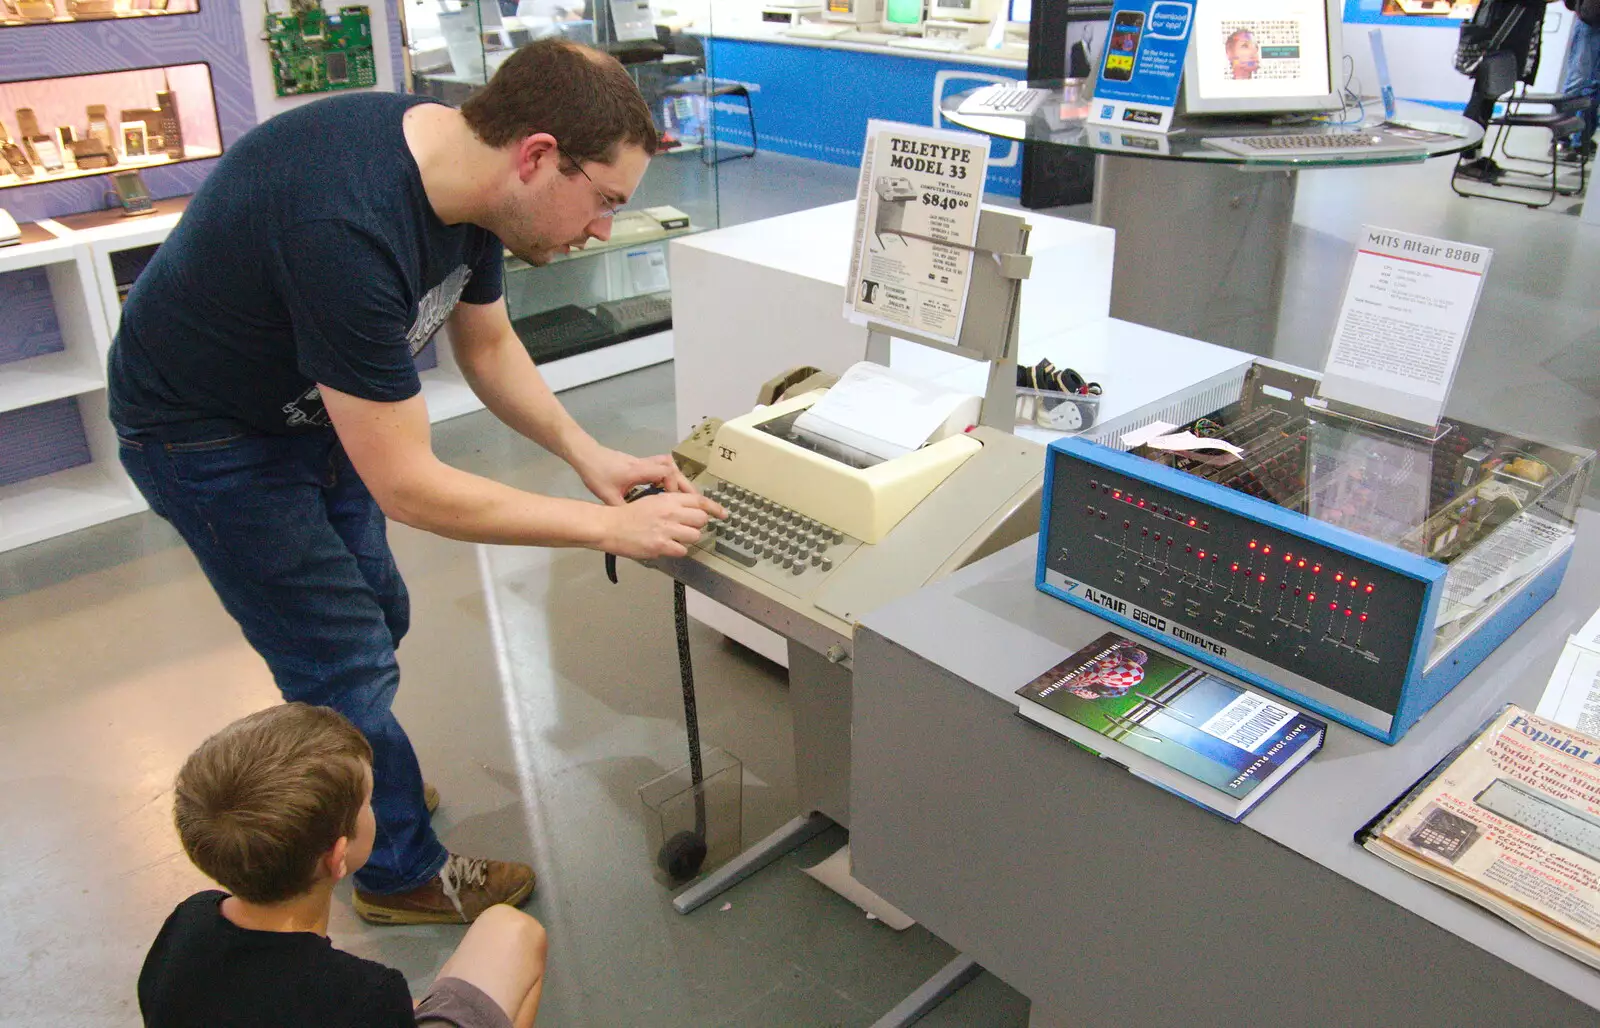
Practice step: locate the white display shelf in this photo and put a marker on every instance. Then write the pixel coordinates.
(48, 377)
(190, 153)
(66, 501)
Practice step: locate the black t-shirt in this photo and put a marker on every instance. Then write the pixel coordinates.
(204, 971)
(310, 254)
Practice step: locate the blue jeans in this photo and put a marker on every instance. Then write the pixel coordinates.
(297, 550)
(1583, 74)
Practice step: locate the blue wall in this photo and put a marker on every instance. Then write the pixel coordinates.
(815, 101)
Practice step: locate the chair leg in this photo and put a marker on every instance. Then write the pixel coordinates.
(750, 109)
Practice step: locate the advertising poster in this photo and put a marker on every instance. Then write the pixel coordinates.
(1142, 64)
(916, 223)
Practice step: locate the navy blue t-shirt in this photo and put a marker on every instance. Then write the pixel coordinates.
(310, 254)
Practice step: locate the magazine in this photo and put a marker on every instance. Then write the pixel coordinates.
(1511, 821)
(1181, 727)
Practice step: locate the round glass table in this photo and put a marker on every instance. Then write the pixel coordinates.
(1203, 233)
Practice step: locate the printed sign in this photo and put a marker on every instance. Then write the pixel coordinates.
(916, 223)
(1143, 64)
(1405, 317)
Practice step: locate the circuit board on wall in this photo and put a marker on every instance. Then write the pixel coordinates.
(313, 51)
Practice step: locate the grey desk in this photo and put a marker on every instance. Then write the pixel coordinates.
(1109, 902)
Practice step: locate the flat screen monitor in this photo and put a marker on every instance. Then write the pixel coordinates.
(903, 14)
(1263, 57)
(1021, 12)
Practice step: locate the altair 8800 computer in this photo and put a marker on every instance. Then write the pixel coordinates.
(1353, 568)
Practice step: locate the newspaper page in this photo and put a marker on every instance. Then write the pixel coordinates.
(1512, 822)
(919, 187)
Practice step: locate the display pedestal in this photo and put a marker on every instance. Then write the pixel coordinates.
(1201, 249)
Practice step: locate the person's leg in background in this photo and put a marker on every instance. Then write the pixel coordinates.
(1582, 78)
(1518, 42)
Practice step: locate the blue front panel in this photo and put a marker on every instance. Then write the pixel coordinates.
(1331, 619)
(815, 101)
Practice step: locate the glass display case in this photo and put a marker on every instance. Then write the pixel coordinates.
(612, 291)
(40, 12)
(73, 126)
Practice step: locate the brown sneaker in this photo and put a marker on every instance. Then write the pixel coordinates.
(464, 888)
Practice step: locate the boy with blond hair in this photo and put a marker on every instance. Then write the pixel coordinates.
(277, 808)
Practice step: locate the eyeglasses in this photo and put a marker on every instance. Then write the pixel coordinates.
(608, 209)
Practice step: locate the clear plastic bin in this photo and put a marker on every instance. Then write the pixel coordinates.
(674, 825)
(1059, 412)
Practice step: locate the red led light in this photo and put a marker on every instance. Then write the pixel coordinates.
(1188, 549)
(1287, 557)
(1339, 577)
(1369, 587)
(1334, 605)
(1317, 570)
(1117, 495)
(1141, 503)
(1347, 612)
(1300, 564)
(1311, 597)
(1202, 554)
(1363, 617)
(1297, 590)
(1234, 568)
(1252, 544)
(1192, 522)
(1283, 585)
(1353, 583)
(1265, 550)
(1261, 578)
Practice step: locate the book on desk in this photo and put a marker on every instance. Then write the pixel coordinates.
(1175, 725)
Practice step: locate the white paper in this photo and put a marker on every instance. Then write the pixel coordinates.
(1187, 441)
(1406, 311)
(1140, 436)
(836, 873)
(1573, 695)
(873, 409)
(1520, 547)
(917, 184)
(1589, 635)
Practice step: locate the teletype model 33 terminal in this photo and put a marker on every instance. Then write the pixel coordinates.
(819, 533)
(1353, 568)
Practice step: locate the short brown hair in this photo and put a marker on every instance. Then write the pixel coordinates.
(577, 94)
(259, 802)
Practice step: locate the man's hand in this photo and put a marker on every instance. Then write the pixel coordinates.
(609, 474)
(662, 525)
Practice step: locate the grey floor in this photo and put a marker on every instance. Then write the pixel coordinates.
(540, 697)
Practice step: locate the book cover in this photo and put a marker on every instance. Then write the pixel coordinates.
(1176, 714)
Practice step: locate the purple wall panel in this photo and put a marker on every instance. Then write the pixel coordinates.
(41, 439)
(29, 327)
